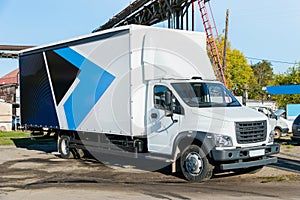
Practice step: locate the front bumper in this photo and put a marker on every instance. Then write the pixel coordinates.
(245, 157)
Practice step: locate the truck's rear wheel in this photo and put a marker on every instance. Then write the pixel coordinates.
(64, 146)
(194, 164)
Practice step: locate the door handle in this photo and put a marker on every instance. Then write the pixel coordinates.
(153, 115)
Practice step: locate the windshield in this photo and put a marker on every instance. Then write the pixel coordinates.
(280, 112)
(205, 95)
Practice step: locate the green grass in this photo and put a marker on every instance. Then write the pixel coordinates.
(289, 146)
(23, 140)
(279, 178)
(6, 138)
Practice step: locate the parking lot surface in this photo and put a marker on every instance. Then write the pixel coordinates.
(34, 173)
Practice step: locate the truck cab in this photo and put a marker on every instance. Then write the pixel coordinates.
(206, 125)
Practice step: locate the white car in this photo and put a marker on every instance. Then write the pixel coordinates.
(282, 114)
(278, 123)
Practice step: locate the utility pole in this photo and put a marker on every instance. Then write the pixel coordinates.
(226, 38)
(193, 16)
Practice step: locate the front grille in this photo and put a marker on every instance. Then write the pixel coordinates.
(251, 132)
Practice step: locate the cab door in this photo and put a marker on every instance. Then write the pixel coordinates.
(163, 120)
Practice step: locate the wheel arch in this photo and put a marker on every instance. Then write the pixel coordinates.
(202, 139)
(278, 127)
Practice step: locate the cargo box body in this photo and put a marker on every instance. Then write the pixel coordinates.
(97, 83)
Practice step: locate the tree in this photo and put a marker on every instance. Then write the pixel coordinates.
(264, 76)
(263, 73)
(238, 72)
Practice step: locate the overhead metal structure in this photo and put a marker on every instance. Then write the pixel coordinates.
(8, 55)
(150, 12)
(10, 51)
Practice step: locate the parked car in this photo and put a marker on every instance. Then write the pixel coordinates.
(282, 113)
(296, 130)
(277, 123)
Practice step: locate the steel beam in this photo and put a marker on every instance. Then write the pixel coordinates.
(133, 7)
(150, 12)
(8, 55)
(13, 47)
(11, 50)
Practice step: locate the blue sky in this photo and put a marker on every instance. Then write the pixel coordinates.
(267, 29)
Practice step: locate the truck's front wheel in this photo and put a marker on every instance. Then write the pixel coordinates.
(194, 164)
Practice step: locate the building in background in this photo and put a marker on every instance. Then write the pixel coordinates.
(9, 90)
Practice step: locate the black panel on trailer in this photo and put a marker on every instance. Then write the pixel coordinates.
(37, 103)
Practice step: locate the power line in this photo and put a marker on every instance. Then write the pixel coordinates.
(273, 61)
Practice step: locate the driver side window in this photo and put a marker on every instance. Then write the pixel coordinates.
(160, 100)
(159, 97)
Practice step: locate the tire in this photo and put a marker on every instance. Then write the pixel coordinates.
(64, 147)
(77, 153)
(277, 133)
(194, 164)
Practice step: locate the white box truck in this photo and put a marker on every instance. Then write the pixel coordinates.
(5, 116)
(145, 90)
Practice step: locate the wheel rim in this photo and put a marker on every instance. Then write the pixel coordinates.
(194, 163)
(277, 133)
(65, 147)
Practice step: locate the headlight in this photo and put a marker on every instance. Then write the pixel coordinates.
(223, 141)
(271, 137)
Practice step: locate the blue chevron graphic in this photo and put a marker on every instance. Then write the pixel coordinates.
(94, 81)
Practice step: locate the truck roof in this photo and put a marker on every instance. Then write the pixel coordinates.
(96, 36)
(75, 41)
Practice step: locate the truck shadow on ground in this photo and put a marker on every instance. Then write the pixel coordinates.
(48, 145)
(45, 144)
(292, 165)
(287, 141)
(289, 162)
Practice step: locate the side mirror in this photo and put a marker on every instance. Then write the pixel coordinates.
(169, 104)
(168, 101)
(168, 97)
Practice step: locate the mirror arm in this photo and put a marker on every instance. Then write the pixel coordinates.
(174, 120)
